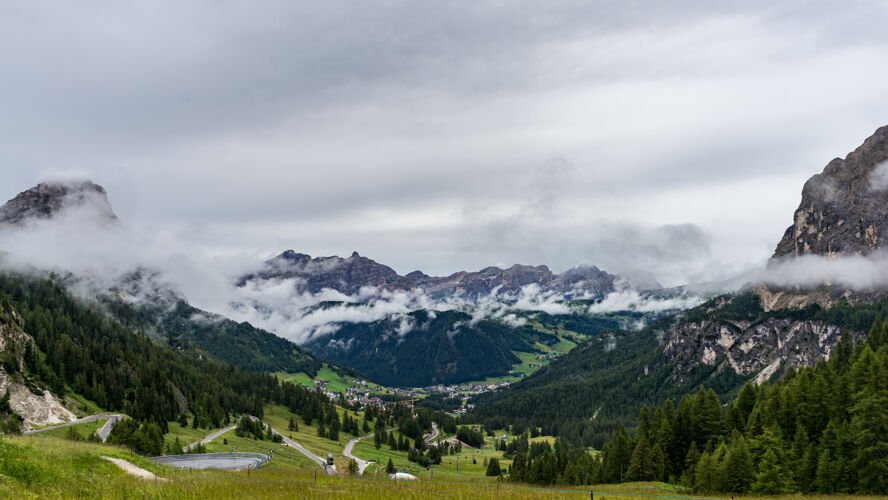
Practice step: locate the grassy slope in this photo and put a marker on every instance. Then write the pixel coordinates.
(278, 417)
(567, 340)
(338, 382)
(47, 467)
(447, 470)
(85, 429)
(186, 435)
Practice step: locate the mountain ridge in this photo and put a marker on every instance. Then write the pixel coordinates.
(352, 274)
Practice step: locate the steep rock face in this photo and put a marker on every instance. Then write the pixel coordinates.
(34, 406)
(46, 200)
(344, 275)
(351, 274)
(749, 347)
(844, 209)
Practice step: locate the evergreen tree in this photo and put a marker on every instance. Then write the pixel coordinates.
(735, 471)
(352, 467)
(493, 467)
(870, 419)
(333, 433)
(771, 478)
(704, 474)
(641, 465)
(826, 476)
(390, 467)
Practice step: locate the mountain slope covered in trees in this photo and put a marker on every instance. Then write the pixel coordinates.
(818, 429)
(426, 347)
(602, 383)
(83, 351)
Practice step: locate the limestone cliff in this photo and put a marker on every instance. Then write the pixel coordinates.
(47, 200)
(36, 406)
(844, 209)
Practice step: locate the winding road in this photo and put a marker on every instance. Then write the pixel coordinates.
(209, 438)
(362, 464)
(434, 435)
(102, 432)
(331, 469)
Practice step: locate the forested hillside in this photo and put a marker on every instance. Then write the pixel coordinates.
(820, 429)
(595, 388)
(182, 326)
(426, 347)
(123, 370)
(602, 383)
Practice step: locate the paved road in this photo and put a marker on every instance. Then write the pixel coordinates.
(331, 469)
(103, 432)
(434, 435)
(209, 438)
(106, 429)
(362, 464)
(225, 461)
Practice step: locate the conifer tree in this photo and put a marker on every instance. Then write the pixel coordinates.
(493, 467)
(641, 466)
(771, 477)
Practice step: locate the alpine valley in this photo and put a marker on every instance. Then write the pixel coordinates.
(586, 357)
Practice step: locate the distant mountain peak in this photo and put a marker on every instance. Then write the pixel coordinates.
(844, 209)
(49, 199)
(351, 274)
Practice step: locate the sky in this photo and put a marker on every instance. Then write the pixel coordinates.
(669, 137)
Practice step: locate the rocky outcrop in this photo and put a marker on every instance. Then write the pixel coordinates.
(844, 209)
(35, 406)
(350, 275)
(47, 200)
(748, 347)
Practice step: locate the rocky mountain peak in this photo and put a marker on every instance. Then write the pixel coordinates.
(350, 275)
(47, 200)
(844, 209)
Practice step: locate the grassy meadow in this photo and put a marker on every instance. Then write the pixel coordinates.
(48, 467)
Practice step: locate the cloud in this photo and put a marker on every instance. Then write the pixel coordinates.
(632, 300)
(879, 177)
(857, 272)
(264, 128)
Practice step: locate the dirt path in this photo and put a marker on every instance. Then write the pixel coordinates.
(133, 469)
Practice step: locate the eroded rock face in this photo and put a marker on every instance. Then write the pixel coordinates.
(749, 347)
(350, 275)
(844, 209)
(35, 409)
(46, 200)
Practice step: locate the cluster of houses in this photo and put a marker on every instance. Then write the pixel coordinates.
(362, 392)
(469, 389)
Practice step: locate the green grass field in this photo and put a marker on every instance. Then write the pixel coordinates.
(47, 467)
(85, 430)
(186, 435)
(337, 382)
(278, 417)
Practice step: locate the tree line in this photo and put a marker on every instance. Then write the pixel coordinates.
(818, 429)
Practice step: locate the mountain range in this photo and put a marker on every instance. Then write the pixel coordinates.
(350, 275)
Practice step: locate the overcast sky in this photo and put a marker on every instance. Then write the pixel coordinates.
(672, 137)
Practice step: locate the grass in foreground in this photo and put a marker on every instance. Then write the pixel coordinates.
(48, 467)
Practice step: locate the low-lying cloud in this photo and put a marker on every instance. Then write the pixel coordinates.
(145, 262)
